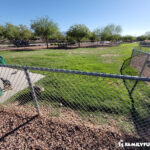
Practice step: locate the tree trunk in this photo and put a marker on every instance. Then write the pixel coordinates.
(47, 43)
(79, 44)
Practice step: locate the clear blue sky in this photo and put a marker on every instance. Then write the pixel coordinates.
(132, 15)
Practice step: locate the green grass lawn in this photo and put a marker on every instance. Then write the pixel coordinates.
(107, 60)
(96, 95)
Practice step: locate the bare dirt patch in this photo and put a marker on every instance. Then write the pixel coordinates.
(22, 48)
(20, 128)
(101, 48)
(79, 52)
(85, 51)
(110, 55)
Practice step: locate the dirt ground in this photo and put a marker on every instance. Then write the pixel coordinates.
(22, 48)
(138, 63)
(110, 55)
(53, 47)
(21, 128)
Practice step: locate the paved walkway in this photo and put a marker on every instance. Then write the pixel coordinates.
(17, 79)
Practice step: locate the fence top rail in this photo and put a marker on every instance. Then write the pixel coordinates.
(147, 53)
(79, 72)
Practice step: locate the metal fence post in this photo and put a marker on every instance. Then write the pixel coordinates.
(32, 91)
(132, 55)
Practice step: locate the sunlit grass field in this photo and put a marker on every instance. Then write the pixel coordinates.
(107, 59)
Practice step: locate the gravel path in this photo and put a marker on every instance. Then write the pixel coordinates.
(17, 79)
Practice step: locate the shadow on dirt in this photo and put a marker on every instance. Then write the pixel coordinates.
(17, 128)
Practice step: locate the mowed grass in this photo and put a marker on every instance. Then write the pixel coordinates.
(95, 95)
(107, 60)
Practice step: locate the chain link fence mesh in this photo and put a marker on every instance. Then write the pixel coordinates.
(138, 65)
(140, 62)
(122, 101)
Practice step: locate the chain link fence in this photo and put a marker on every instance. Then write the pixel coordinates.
(140, 61)
(120, 100)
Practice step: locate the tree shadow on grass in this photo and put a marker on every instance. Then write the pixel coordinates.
(73, 103)
(24, 98)
(60, 101)
(77, 105)
(22, 50)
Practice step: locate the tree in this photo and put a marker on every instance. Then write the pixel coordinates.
(2, 32)
(106, 34)
(11, 32)
(78, 32)
(58, 36)
(93, 37)
(24, 33)
(128, 38)
(18, 35)
(141, 38)
(44, 27)
(147, 34)
(111, 32)
(97, 33)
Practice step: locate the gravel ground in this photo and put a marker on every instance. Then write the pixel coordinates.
(21, 129)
